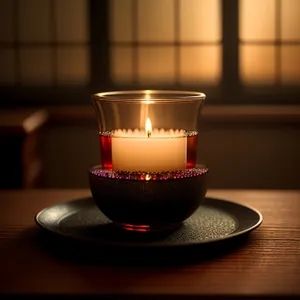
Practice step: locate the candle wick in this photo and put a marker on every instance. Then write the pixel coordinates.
(148, 133)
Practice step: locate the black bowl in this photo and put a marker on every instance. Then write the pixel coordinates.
(148, 201)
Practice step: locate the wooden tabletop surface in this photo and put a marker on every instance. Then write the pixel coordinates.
(265, 264)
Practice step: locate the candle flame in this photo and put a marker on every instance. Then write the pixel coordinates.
(148, 127)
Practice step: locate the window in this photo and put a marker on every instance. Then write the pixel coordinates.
(270, 45)
(44, 42)
(236, 51)
(165, 42)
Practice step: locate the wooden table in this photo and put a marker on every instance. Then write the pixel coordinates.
(266, 264)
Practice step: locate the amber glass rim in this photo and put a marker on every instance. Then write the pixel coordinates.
(149, 96)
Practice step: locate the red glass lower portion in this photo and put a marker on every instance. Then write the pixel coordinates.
(106, 153)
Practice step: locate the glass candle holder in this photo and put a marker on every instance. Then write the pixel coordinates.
(148, 145)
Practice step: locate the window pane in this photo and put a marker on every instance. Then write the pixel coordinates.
(120, 20)
(290, 29)
(257, 64)
(155, 20)
(7, 66)
(36, 65)
(156, 64)
(121, 64)
(200, 64)
(257, 20)
(72, 65)
(200, 20)
(6, 20)
(34, 20)
(71, 16)
(290, 64)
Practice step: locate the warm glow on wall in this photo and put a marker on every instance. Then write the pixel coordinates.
(200, 64)
(50, 35)
(200, 20)
(257, 20)
(156, 64)
(290, 64)
(270, 42)
(290, 10)
(257, 64)
(165, 42)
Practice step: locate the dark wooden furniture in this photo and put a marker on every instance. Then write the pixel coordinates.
(20, 159)
(265, 265)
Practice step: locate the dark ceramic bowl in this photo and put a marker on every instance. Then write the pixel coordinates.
(148, 201)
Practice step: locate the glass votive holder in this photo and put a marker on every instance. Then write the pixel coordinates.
(148, 179)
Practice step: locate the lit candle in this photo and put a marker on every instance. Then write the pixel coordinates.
(149, 150)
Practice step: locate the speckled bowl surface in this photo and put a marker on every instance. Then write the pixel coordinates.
(148, 201)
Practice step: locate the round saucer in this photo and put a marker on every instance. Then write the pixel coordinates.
(215, 220)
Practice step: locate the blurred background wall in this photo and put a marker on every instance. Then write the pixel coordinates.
(243, 54)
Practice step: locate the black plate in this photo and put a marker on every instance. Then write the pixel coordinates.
(215, 220)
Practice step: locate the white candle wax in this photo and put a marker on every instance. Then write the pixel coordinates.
(149, 151)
